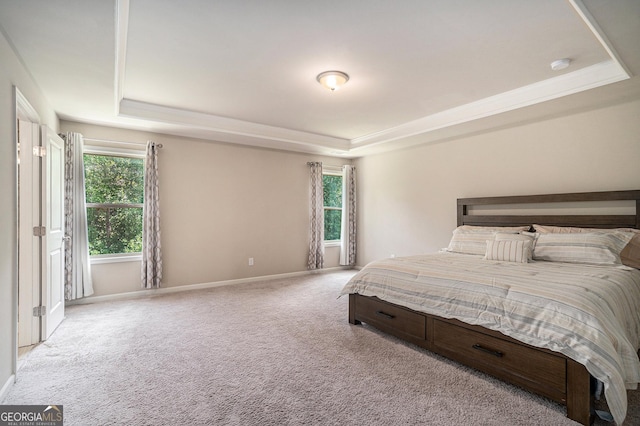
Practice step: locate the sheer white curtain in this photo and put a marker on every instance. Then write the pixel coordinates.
(348, 226)
(316, 217)
(77, 267)
(151, 247)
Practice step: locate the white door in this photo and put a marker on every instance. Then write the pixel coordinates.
(29, 245)
(53, 220)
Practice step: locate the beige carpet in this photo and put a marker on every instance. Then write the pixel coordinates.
(269, 353)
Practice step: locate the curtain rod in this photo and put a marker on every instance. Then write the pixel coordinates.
(159, 145)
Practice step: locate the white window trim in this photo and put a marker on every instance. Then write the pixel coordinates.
(332, 243)
(97, 259)
(332, 170)
(109, 150)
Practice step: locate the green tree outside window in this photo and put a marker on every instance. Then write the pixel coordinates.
(115, 195)
(332, 192)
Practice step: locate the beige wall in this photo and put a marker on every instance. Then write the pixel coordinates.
(221, 204)
(12, 73)
(407, 199)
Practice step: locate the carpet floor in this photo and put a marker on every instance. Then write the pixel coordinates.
(277, 352)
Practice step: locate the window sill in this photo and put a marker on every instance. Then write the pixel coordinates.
(332, 243)
(115, 258)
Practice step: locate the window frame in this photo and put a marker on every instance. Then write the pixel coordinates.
(114, 152)
(332, 171)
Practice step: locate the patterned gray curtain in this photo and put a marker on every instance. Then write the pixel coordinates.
(77, 268)
(348, 227)
(316, 217)
(151, 248)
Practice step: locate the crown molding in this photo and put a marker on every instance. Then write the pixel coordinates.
(597, 32)
(584, 79)
(229, 126)
(208, 126)
(603, 73)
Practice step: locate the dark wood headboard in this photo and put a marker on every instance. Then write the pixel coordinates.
(587, 220)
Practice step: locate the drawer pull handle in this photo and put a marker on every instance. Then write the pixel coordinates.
(384, 314)
(489, 351)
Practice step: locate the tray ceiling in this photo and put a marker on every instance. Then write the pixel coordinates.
(245, 71)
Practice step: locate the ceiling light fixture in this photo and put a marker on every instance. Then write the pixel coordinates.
(560, 64)
(332, 80)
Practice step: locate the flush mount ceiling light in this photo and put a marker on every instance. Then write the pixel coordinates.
(332, 80)
(560, 64)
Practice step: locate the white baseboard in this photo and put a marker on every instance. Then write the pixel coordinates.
(5, 389)
(156, 291)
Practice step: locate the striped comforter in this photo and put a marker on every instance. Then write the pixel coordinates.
(588, 313)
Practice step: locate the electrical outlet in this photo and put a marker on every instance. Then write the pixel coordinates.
(392, 255)
(251, 261)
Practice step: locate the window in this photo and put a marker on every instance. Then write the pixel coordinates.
(115, 188)
(332, 193)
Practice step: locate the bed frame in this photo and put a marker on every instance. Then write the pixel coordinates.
(540, 371)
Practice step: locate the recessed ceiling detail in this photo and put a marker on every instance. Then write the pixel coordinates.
(220, 128)
(222, 71)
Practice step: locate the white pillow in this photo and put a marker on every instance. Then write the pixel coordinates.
(584, 247)
(509, 250)
(473, 239)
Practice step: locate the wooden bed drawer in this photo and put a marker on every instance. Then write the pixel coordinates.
(390, 318)
(521, 364)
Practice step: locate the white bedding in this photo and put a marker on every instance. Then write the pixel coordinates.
(589, 313)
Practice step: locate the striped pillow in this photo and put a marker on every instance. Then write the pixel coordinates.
(584, 247)
(523, 236)
(630, 255)
(508, 251)
(473, 239)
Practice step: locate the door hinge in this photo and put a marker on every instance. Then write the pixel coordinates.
(39, 311)
(39, 151)
(39, 231)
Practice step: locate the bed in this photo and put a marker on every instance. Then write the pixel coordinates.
(527, 310)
